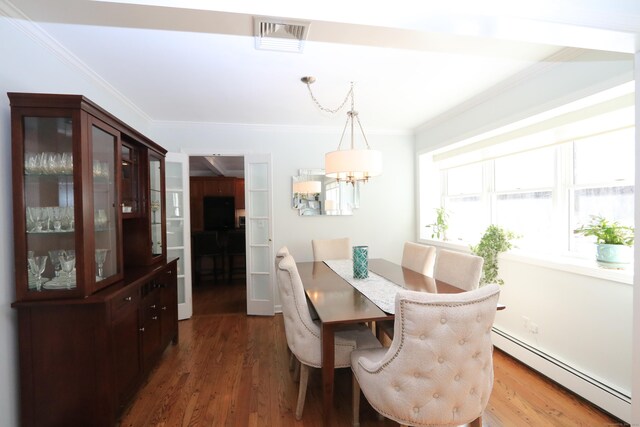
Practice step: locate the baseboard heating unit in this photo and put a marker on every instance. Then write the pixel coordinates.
(609, 399)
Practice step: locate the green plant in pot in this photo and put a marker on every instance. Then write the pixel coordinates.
(494, 241)
(439, 228)
(613, 241)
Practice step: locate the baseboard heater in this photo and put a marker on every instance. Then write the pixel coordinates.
(609, 399)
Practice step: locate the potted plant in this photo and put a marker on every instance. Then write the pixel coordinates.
(439, 228)
(494, 241)
(613, 241)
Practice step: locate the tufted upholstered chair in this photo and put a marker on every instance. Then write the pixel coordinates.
(303, 334)
(458, 269)
(331, 249)
(439, 367)
(283, 252)
(420, 258)
(416, 257)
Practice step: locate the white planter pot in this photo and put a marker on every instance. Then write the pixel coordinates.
(614, 256)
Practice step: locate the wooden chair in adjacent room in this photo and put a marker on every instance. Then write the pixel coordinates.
(236, 252)
(208, 256)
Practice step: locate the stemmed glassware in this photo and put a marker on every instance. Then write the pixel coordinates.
(55, 256)
(68, 263)
(155, 206)
(36, 266)
(101, 257)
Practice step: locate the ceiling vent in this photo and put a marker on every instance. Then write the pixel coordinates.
(281, 35)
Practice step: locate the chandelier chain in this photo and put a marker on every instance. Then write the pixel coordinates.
(329, 110)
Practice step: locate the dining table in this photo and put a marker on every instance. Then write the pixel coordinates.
(337, 303)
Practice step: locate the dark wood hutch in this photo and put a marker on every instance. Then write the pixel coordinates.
(95, 294)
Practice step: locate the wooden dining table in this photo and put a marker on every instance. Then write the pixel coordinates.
(337, 303)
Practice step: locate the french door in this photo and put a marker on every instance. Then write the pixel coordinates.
(258, 211)
(178, 226)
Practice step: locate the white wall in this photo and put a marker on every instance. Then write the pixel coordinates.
(385, 218)
(584, 322)
(384, 221)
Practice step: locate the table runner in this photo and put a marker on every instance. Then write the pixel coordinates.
(379, 290)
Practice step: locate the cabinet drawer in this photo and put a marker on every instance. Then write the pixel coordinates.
(124, 301)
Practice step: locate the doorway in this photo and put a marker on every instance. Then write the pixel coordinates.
(217, 234)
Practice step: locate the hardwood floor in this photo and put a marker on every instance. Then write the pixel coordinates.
(230, 369)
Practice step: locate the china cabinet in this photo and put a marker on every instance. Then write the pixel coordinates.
(95, 295)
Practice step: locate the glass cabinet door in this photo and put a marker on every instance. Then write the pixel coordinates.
(156, 205)
(49, 203)
(105, 203)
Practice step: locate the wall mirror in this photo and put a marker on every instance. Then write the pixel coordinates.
(315, 194)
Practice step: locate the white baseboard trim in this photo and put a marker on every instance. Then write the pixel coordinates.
(601, 395)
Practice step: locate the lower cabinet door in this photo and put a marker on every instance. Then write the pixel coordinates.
(169, 304)
(150, 330)
(126, 344)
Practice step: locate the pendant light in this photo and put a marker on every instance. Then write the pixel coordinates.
(349, 164)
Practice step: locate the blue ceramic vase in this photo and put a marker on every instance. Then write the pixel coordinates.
(360, 262)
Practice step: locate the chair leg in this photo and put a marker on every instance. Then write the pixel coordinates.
(292, 361)
(296, 370)
(302, 389)
(477, 422)
(355, 389)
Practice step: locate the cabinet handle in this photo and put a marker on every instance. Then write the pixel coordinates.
(127, 298)
(153, 306)
(164, 308)
(141, 329)
(155, 317)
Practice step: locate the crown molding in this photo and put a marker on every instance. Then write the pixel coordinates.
(36, 33)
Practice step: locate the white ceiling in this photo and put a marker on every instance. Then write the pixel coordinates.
(195, 60)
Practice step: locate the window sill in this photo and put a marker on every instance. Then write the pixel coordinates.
(562, 263)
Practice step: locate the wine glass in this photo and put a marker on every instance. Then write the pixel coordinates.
(36, 266)
(101, 257)
(55, 256)
(68, 263)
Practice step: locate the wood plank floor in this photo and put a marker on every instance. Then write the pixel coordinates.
(230, 369)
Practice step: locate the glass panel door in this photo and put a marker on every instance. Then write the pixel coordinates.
(105, 204)
(260, 286)
(178, 240)
(49, 202)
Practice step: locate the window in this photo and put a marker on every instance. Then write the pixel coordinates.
(542, 194)
(463, 201)
(603, 177)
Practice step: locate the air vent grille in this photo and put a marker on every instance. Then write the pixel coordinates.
(280, 35)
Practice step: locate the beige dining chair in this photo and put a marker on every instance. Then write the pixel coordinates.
(439, 367)
(458, 269)
(420, 258)
(303, 334)
(416, 257)
(293, 362)
(331, 249)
